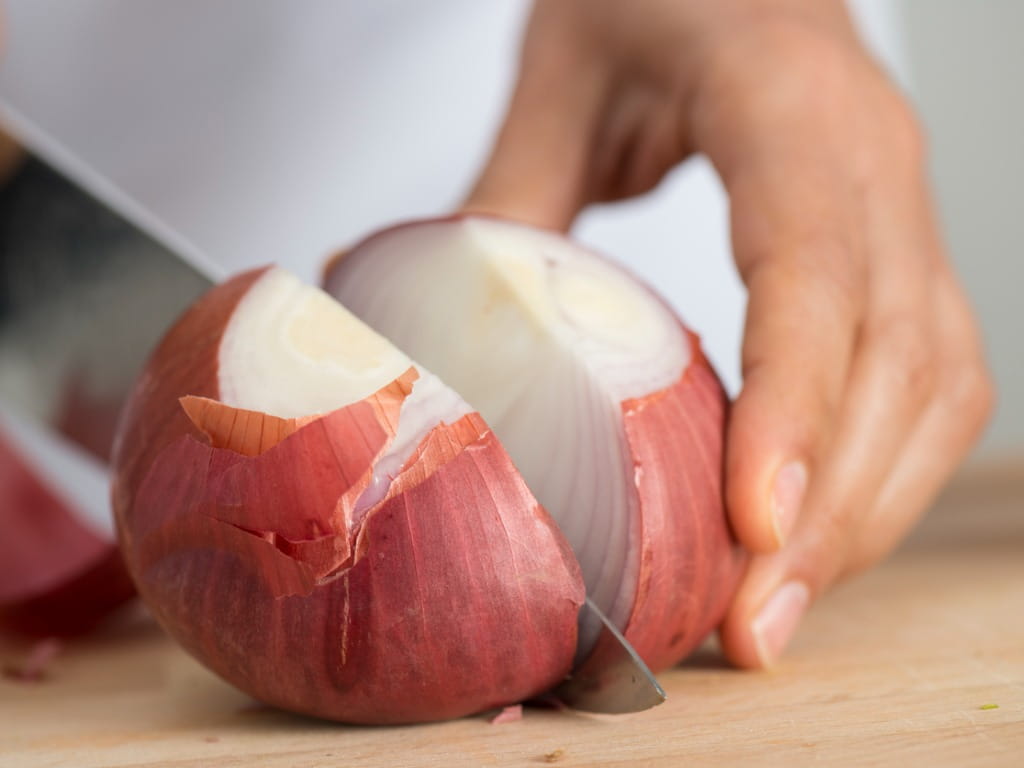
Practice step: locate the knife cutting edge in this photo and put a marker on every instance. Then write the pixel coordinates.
(623, 683)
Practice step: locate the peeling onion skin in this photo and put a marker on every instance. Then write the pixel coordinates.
(453, 594)
(57, 577)
(689, 561)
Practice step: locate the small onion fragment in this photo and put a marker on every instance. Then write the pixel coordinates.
(34, 668)
(510, 714)
(327, 526)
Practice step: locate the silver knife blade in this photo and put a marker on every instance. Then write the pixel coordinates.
(84, 297)
(623, 684)
(85, 294)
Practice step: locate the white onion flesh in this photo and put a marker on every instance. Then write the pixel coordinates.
(317, 357)
(314, 357)
(551, 341)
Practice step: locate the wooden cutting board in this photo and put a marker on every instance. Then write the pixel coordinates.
(918, 663)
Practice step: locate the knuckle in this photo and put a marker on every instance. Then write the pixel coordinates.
(893, 144)
(808, 69)
(843, 541)
(802, 48)
(836, 524)
(815, 268)
(905, 132)
(826, 547)
(968, 393)
(897, 139)
(881, 532)
(909, 355)
(801, 410)
(868, 553)
(841, 276)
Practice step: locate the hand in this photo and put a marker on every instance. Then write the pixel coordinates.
(864, 380)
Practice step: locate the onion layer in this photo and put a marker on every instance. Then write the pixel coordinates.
(329, 526)
(602, 398)
(277, 551)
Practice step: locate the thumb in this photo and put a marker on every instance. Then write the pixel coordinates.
(538, 167)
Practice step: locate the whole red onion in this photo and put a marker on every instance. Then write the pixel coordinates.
(337, 530)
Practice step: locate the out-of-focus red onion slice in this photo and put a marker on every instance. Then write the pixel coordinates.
(60, 572)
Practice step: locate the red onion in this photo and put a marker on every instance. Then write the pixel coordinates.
(330, 527)
(60, 572)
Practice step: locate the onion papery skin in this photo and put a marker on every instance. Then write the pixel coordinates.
(685, 561)
(452, 594)
(57, 575)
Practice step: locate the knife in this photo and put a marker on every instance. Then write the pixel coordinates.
(87, 288)
(622, 684)
(84, 296)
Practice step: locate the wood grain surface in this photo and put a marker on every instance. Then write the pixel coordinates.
(917, 663)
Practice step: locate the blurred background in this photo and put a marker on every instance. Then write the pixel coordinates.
(966, 76)
(245, 132)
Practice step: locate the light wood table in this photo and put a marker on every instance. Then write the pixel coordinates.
(899, 667)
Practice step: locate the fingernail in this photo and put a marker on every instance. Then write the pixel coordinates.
(777, 620)
(787, 497)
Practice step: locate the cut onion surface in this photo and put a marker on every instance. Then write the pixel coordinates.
(600, 395)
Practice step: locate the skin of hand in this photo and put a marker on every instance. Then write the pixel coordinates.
(864, 382)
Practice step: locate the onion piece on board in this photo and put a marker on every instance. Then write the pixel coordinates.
(60, 571)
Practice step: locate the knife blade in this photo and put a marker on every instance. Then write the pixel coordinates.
(622, 684)
(85, 294)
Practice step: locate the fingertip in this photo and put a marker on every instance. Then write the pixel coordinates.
(777, 620)
(755, 636)
(769, 446)
(734, 633)
(737, 643)
(764, 504)
(764, 492)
